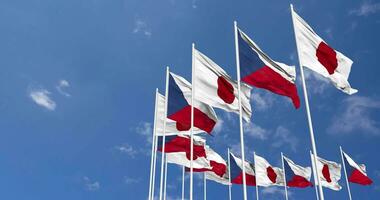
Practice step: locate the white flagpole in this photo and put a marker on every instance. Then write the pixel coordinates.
(163, 134)
(154, 166)
(240, 111)
(183, 182)
(229, 175)
(314, 148)
(257, 186)
(345, 173)
(204, 186)
(152, 159)
(192, 122)
(315, 176)
(166, 176)
(283, 170)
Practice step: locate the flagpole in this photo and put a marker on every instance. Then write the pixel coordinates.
(163, 133)
(314, 175)
(153, 150)
(183, 182)
(204, 186)
(345, 173)
(166, 176)
(154, 166)
(192, 121)
(283, 169)
(229, 175)
(204, 183)
(314, 148)
(257, 186)
(240, 111)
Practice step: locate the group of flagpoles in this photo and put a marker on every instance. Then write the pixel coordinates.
(164, 133)
(314, 148)
(283, 171)
(153, 155)
(345, 173)
(240, 111)
(163, 160)
(163, 176)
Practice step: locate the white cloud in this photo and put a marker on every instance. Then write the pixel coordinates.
(231, 117)
(256, 131)
(355, 115)
(235, 148)
(130, 180)
(329, 33)
(91, 185)
(141, 27)
(194, 4)
(41, 97)
(283, 137)
(262, 100)
(62, 84)
(218, 126)
(127, 149)
(220, 132)
(366, 8)
(145, 129)
(316, 84)
(280, 191)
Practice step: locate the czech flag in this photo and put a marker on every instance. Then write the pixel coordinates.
(179, 107)
(172, 127)
(236, 167)
(181, 143)
(259, 70)
(296, 176)
(356, 173)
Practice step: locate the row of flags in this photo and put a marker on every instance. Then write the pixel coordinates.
(215, 88)
(261, 172)
(188, 108)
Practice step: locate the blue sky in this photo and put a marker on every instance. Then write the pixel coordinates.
(78, 78)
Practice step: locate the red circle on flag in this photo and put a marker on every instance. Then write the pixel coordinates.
(225, 90)
(271, 174)
(326, 173)
(327, 57)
